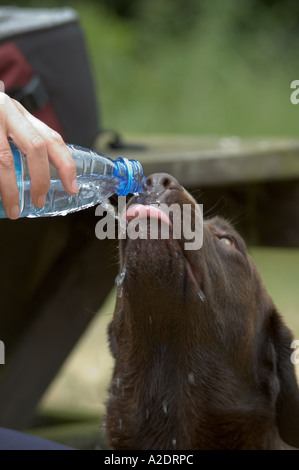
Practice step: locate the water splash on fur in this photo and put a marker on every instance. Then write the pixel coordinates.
(120, 277)
(110, 209)
(119, 281)
(191, 378)
(201, 295)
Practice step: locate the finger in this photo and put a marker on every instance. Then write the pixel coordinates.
(8, 183)
(32, 144)
(38, 166)
(61, 158)
(58, 153)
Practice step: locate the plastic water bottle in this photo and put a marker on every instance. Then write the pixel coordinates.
(98, 178)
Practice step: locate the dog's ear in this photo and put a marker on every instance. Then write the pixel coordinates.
(287, 404)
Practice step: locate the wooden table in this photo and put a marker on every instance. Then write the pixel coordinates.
(55, 274)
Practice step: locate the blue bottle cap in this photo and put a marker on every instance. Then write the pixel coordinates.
(132, 177)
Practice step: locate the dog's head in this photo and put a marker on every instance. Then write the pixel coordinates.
(202, 358)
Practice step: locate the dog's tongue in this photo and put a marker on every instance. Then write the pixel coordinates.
(146, 211)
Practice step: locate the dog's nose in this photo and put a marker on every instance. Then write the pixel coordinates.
(159, 182)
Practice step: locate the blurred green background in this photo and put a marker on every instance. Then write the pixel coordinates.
(192, 66)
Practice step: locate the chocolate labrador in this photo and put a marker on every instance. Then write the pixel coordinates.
(202, 357)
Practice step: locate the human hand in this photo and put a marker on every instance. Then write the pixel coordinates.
(41, 145)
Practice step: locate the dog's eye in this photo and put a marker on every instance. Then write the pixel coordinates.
(226, 240)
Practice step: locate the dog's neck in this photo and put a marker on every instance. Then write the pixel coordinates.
(157, 402)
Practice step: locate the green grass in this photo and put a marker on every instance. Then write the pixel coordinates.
(222, 70)
(208, 81)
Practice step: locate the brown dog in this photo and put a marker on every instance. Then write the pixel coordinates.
(202, 358)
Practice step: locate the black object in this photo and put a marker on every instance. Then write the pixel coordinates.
(44, 64)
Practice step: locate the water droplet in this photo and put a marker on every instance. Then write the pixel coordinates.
(173, 442)
(191, 378)
(165, 407)
(154, 195)
(146, 413)
(104, 428)
(122, 228)
(120, 277)
(109, 208)
(120, 292)
(120, 421)
(119, 280)
(201, 295)
(117, 382)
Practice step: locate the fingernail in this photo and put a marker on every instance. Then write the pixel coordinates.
(75, 186)
(14, 212)
(41, 201)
